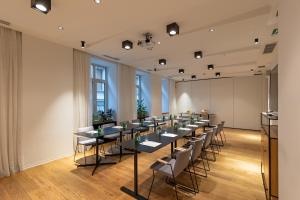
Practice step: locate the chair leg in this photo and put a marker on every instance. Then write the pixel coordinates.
(195, 176)
(84, 155)
(175, 184)
(189, 170)
(153, 177)
(224, 135)
(76, 149)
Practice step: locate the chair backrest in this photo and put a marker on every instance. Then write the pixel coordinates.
(182, 160)
(124, 122)
(85, 129)
(208, 138)
(219, 128)
(108, 125)
(222, 124)
(197, 149)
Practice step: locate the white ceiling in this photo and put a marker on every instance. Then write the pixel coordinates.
(230, 47)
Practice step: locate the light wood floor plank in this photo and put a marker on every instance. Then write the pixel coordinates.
(235, 175)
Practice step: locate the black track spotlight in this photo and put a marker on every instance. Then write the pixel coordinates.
(218, 74)
(256, 41)
(43, 6)
(210, 67)
(198, 54)
(127, 45)
(83, 44)
(181, 71)
(162, 61)
(173, 29)
(194, 77)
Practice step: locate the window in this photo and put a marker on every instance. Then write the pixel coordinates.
(138, 83)
(99, 88)
(165, 95)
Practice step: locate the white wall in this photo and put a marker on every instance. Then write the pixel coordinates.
(156, 103)
(47, 118)
(289, 98)
(238, 101)
(222, 100)
(248, 103)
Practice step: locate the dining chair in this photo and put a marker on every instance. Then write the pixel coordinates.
(86, 142)
(207, 147)
(111, 138)
(196, 157)
(171, 168)
(222, 130)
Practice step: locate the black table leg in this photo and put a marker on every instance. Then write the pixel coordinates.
(134, 193)
(97, 158)
(121, 149)
(172, 148)
(175, 143)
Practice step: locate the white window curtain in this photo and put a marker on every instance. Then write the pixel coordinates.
(10, 101)
(82, 89)
(126, 93)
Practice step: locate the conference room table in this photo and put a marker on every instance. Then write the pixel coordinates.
(149, 144)
(107, 133)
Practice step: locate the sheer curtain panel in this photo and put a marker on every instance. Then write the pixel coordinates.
(10, 101)
(82, 108)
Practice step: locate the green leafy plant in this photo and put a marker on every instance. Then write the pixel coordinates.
(142, 112)
(101, 116)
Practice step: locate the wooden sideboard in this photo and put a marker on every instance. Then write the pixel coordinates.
(269, 149)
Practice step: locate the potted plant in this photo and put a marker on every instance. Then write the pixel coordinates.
(142, 112)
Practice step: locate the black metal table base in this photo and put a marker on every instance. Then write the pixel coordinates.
(91, 161)
(132, 193)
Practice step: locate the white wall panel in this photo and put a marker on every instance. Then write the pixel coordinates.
(238, 101)
(47, 118)
(248, 102)
(200, 95)
(156, 95)
(221, 100)
(184, 99)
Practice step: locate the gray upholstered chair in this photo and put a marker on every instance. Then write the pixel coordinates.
(85, 142)
(196, 157)
(207, 145)
(171, 168)
(222, 130)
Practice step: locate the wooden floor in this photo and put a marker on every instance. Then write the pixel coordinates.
(234, 176)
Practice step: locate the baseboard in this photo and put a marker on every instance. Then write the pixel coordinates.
(42, 162)
(245, 129)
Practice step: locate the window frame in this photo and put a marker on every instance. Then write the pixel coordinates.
(95, 81)
(138, 86)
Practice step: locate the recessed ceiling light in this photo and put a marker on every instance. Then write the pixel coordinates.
(198, 54)
(181, 71)
(256, 41)
(252, 70)
(162, 61)
(41, 5)
(218, 74)
(82, 44)
(173, 29)
(60, 28)
(212, 29)
(127, 45)
(158, 42)
(210, 67)
(97, 1)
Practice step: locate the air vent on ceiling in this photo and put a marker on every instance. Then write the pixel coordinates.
(261, 67)
(4, 22)
(269, 48)
(112, 58)
(257, 74)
